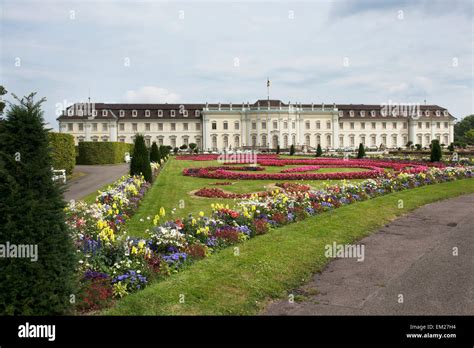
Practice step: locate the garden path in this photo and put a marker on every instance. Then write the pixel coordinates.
(412, 256)
(96, 177)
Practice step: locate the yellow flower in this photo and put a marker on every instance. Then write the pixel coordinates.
(201, 213)
(162, 211)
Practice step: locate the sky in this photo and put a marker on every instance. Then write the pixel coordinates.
(343, 51)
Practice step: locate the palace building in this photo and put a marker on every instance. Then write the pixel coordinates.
(262, 125)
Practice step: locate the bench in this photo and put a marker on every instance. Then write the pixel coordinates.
(59, 174)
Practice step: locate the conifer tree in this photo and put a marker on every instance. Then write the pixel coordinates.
(140, 163)
(155, 153)
(32, 217)
(436, 152)
(361, 152)
(319, 151)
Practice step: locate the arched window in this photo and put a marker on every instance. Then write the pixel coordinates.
(285, 141)
(264, 140)
(328, 140)
(236, 141)
(307, 140)
(275, 141)
(293, 139)
(318, 140)
(226, 141)
(254, 140)
(214, 141)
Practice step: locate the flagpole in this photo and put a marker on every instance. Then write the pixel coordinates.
(268, 89)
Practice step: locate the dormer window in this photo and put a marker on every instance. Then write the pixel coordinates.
(160, 113)
(445, 112)
(362, 113)
(134, 113)
(438, 113)
(372, 113)
(94, 112)
(394, 113)
(341, 113)
(80, 112)
(70, 112)
(104, 113)
(351, 113)
(122, 113)
(185, 113)
(147, 113)
(173, 113)
(383, 112)
(427, 113)
(197, 113)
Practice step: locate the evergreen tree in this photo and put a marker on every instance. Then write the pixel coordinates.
(155, 153)
(292, 150)
(278, 149)
(140, 163)
(32, 214)
(436, 153)
(361, 152)
(319, 151)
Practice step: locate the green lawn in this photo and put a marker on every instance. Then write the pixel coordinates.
(172, 191)
(269, 266)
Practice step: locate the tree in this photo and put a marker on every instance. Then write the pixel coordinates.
(3, 91)
(409, 144)
(319, 151)
(451, 147)
(436, 153)
(183, 147)
(278, 149)
(463, 126)
(469, 136)
(175, 150)
(155, 153)
(32, 215)
(140, 163)
(361, 151)
(193, 147)
(292, 150)
(418, 146)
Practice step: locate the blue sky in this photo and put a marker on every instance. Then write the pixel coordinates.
(341, 51)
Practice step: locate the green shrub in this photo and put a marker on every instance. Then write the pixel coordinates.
(63, 151)
(436, 153)
(361, 152)
(319, 151)
(140, 164)
(92, 152)
(32, 214)
(155, 153)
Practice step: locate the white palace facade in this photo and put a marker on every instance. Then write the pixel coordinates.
(264, 124)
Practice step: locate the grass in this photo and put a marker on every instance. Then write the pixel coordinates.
(270, 265)
(172, 190)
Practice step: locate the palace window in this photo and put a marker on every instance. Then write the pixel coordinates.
(318, 125)
(372, 113)
(328, 140)
(104, 113)
(264, 140)
(173, 113)
(147, 113)
(328, 125)
(362, 139)
(173, 126)
(341, 125)
(394, 125)
(197, 113)
(236, 141)
(384, 140)
(445, 112)
(198, 126)
(122, 126)
(405, 125)
(160, 141)
(160, 113)
(438, 125)
(293, 125)
(264, 125)
(351, 113)
(94, 127)
(70, 127)
(122, 113)
(185, 126)
(254, 125)
(445, 125)
(362, 113)
(307, 124)
(236, 125)
(419, 125)
(341, 141)
(394, 140)
(351, 125)
(160, 126)
(341, 113)
(318, 140)
(147, 142)
(134, 113)
(285, 125)
(427, 125)
(81, 126)
(214, 141)
(214, 126)
(254, 141)
(147, 126)
(384, 125)
(373, 140)
(362, 125)
(104, 127)
(307, 140)
(374, 125)
(185, 141)
(134, 127)
(438, 113)
(173, 142)
(351, 139)
(275, 124)
(427, 113)
(285, 141)
(226, 125)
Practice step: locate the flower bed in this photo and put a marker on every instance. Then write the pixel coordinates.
(218, 193)
(114, 264)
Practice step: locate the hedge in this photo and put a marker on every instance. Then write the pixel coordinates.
(63, 152)
(92, 152)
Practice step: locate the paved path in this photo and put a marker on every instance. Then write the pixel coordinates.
(95, 178)
(412, 256)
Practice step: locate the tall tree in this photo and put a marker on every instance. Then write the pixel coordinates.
(361, 151)
(436, 152)
(140, 163)
(32, 217)
(319, 151)
(155, 153)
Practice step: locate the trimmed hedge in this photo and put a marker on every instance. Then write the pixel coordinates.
(63, 152)
(92, 152)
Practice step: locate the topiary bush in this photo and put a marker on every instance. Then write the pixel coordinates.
(92, 152)
(155, 155)
(319, 151)
(140, 163)
(361, 152)
(292, 150)
(32, 215)
(436, 152)
(63, 151)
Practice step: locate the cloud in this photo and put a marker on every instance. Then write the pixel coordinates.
(151, 94)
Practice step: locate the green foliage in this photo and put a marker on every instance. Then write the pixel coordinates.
(469, 136)
(463, 126)
(193, 146)
(3, 91)
(361, 151)
(409, 144)
(164, 150)
(183, 147)
(418, 146)
(155, 155)
(63, 151)
(140, 163)
(31, 213)
(319, 151)
(436, 153)
(451, 147)
(175, 150)
(93, 152)
(278, 149)
(292, 150)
